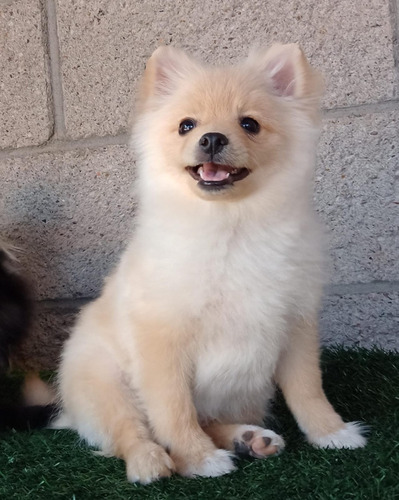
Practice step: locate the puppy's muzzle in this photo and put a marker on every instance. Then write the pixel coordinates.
(213, 174)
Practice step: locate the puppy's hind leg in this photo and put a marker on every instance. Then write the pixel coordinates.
(242, 439)
(100, 406)
(298, 375)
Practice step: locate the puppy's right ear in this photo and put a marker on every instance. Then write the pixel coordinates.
(165, 70)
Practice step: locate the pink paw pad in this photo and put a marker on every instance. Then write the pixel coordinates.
(258, 443)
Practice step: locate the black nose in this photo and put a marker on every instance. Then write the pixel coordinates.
(213, 143)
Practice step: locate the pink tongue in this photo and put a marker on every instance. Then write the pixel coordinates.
(213, 172)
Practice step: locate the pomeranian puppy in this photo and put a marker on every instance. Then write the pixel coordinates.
(216, 298)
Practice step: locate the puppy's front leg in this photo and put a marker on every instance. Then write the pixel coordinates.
(299, 376)
(165, 373)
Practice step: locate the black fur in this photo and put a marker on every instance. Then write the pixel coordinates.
(15, 319)
(26, 418)
(15, 308)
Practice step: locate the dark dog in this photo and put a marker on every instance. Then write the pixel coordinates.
(15, 307)
(15, 319)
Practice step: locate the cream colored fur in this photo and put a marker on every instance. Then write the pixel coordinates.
(217, 294)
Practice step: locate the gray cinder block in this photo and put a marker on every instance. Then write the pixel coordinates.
(104, 46)
(71, 212)
(25, 114)
(42, 348)
(357, 196)
(363, 320)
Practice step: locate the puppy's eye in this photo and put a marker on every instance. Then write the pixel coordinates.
(249, 125)
(186, 125)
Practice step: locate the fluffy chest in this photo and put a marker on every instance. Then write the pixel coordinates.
(239, 295)
(231, 288)
(234, 366)
(243, 295)
(218, 266)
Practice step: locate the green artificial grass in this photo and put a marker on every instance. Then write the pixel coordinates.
(362, 385)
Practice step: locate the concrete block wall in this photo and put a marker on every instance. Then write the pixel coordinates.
(68, 71)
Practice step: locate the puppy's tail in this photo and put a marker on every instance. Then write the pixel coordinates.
(38, 409)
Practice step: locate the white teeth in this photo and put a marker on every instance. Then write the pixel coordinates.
(200, 171)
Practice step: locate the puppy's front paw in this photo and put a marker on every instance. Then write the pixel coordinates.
(215, 463)
(257, 442)
(350, 436)
(148, 462)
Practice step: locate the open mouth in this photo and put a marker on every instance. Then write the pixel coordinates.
(213, 176)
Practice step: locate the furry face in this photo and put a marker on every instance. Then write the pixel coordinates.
(216, 298)
(222, 131)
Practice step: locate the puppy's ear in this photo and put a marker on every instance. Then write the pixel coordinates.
(165, 70)
(289, 72)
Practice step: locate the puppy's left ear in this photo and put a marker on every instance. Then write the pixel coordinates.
(289, 72)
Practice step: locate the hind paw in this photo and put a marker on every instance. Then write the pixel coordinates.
(257, 442)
